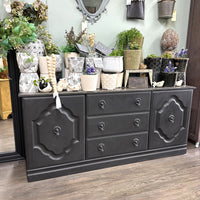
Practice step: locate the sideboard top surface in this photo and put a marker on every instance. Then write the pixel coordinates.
(106, 91)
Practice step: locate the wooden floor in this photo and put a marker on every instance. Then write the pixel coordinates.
(7, 143)
(174, 178)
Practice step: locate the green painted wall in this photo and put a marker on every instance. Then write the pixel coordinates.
(63, 14)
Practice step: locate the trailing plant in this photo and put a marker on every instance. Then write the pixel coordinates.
(167, 55)
(35, 13)
(126, 37)
(42, 82)
(46, 38)
(115, 52)
(182, 54)
(152, 56)
(15, 32)
(71, 40)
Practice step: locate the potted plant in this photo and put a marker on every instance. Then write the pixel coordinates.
(50, 48)
(70, 49)
(43, 85)
(129, 44)
(166, 8)
(89, 79)
(153, 62)
(181, 60)
(166, 59)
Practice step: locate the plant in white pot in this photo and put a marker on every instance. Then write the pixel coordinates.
(70, 48)
(89, 79)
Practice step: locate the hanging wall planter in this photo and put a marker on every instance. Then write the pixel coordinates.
(166, 8)
(135, 9)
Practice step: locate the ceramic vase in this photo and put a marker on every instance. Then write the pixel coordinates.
(89, 82)
(113, 64)
(28, 65)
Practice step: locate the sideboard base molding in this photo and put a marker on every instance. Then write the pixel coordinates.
(62, 170)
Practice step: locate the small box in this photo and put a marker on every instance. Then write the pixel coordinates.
(138, 82)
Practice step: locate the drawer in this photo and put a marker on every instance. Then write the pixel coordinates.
(113, 145)
(117, 124)
(99, 104)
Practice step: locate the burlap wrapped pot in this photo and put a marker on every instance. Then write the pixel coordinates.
(132, 59)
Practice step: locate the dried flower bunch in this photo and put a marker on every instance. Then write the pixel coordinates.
(35, 13)
(182, 53)
(72, 39)
(46, 38)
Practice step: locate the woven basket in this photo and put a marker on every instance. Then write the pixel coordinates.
(132, 59)
(166, 8)
(108, 81)
(120, 77)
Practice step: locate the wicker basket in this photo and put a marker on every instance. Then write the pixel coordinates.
(132, 59)
(108, 81)
(120, 77)
(166, 8)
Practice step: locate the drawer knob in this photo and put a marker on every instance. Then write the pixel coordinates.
(138, 101)
(101, 147)
(137, 122)
(102, 104)
(136, 142)
(57, 130)
(171, 118)
(101, 126)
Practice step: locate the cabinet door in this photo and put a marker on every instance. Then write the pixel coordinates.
(53, 136)
(169, 118)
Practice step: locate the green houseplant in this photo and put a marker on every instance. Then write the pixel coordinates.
(15, 33)
(70, 48)
(129, 44)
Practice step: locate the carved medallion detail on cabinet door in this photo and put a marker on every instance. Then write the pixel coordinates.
(170, 120)
(55, 132)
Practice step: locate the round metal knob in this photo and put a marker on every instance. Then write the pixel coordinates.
(138, 101)
(101, 147)
(171, 118)
(101, 126)
(102, 104)
(136, 142)
(57, 130)
(137, 122)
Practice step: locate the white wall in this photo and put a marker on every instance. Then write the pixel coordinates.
(63, 14)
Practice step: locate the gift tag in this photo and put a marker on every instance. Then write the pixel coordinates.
(98, 63)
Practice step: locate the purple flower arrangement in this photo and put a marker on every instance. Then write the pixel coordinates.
(90, 70)
(181, 54)
(169, 68)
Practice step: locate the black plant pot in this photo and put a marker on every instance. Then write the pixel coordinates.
(169, 79)
(153, 63)
(165, 63)
(181, 64)
(135, 10)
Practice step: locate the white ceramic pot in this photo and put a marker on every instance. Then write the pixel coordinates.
(27, 63)
(119, 79)
(76, 64)
(26, 82)
(68, 55)
(108, 81)
(113, 64)
(89, 82)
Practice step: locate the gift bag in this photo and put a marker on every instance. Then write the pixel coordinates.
(135, 9)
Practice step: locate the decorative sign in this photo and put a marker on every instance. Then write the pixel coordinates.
(82, 48)
(98, 63)
(100, 47)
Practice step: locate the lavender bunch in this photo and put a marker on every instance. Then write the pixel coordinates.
(181, 54)
(169, 68)
(90, 70)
